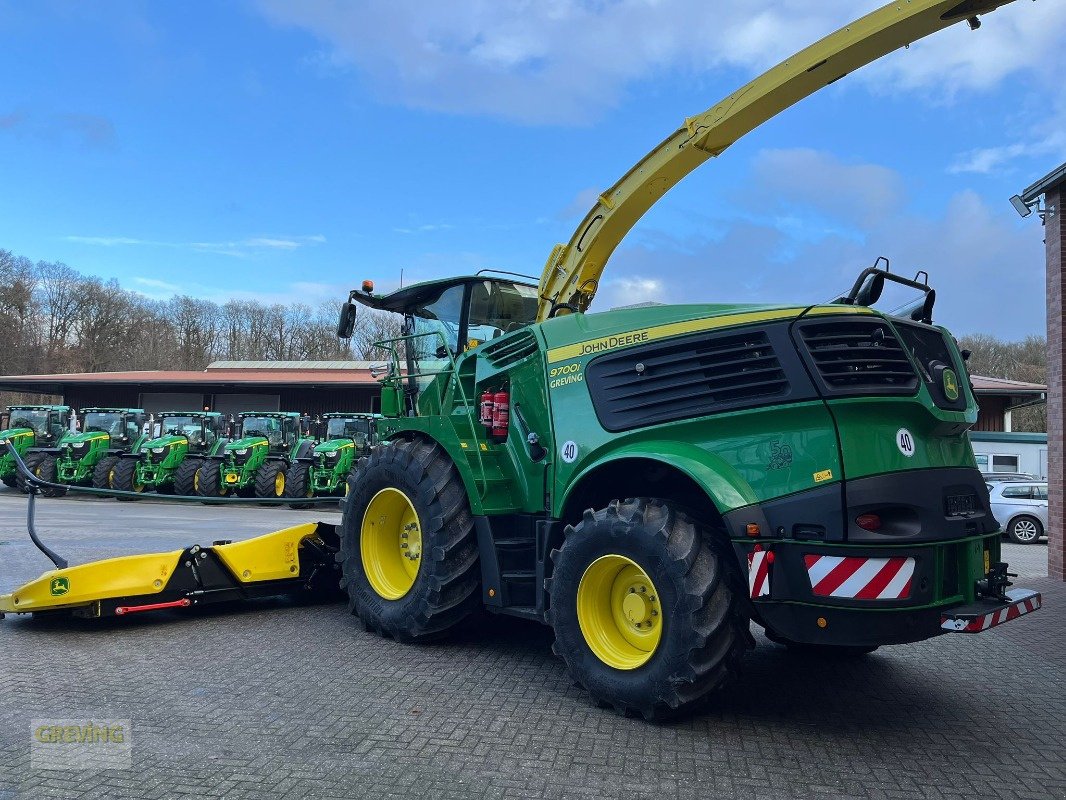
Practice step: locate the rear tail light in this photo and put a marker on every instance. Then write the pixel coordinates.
(868, 522)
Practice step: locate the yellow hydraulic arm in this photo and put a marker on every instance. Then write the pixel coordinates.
(572, 274)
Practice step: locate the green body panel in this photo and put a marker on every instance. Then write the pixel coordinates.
(156, 470)
(80, 453)
(326, 479)
(332, 459)
(240, 476)
(25, 438)
(22, 439)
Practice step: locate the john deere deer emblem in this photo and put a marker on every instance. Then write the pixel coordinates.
(951, 385)
(59, 586)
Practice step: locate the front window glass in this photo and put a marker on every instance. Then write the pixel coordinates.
(438, 324)
(35, 419)
(347, 428)
(435, 330)
(109, 422)
(1040, 492)
(268, 428)
(499, 307)
(192, 428)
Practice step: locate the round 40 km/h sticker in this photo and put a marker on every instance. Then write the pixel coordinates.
(905, 442)
(568, 452)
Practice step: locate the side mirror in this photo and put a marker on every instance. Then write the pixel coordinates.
(346, 323)
(871, 290)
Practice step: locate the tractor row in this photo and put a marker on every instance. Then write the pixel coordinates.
(189, 453)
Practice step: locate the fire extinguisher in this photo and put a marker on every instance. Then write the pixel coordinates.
(501, 414)
(485, 415)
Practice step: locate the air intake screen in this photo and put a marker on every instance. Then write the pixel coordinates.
(511, 349)
(686, 377)
(858, 356)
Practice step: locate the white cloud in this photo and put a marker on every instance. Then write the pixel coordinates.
(566, 61)
(986, 265)
(238, 248)
(629, 290)
(152, 283)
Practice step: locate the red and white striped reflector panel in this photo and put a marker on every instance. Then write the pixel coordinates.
(758, 574)
(860, 578)
(982, 622)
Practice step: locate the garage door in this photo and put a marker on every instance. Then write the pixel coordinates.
(236, 403)
(171, 401)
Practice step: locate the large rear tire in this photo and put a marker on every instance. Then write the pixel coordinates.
(646, 609)
(409, 552)
(124, 478)
(270, 480)
(298, 484)
(185, 476)
(102, 472)
(10, 480)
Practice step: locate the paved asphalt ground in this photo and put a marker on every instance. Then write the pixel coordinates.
(275, 700)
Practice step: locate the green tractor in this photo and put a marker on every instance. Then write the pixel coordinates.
(324, 472)
(90, 456)
(256, 463)
(27, 427)
(168, 463)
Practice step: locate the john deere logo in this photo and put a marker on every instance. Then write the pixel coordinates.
(59, 587)
(951, 385)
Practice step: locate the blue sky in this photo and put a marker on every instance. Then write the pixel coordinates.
(288, 150)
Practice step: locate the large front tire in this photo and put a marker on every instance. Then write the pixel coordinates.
(124, 478)
(31, 460)
(409, 552)
(208, 481)
(185, 476)
(646, 609)
(102, 472)
(47, 470)
(270, 480)
(298, 484)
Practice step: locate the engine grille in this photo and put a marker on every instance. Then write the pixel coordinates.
(511, 349)
(858, 355)
(687, 377)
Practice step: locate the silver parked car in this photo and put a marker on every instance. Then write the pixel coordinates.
(1021, 508)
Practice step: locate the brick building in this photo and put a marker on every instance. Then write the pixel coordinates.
(1052, 187)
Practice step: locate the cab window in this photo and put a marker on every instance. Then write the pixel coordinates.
(498, 307)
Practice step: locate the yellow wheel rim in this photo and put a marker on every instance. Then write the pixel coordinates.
(279, 484)
(619, 611)
(391, 544)
(196, 481)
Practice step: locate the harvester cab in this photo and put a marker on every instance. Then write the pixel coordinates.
(324, 472)
(27, 427)
(256, 462)
(443, 319)
(89, 456)
(168, 463)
